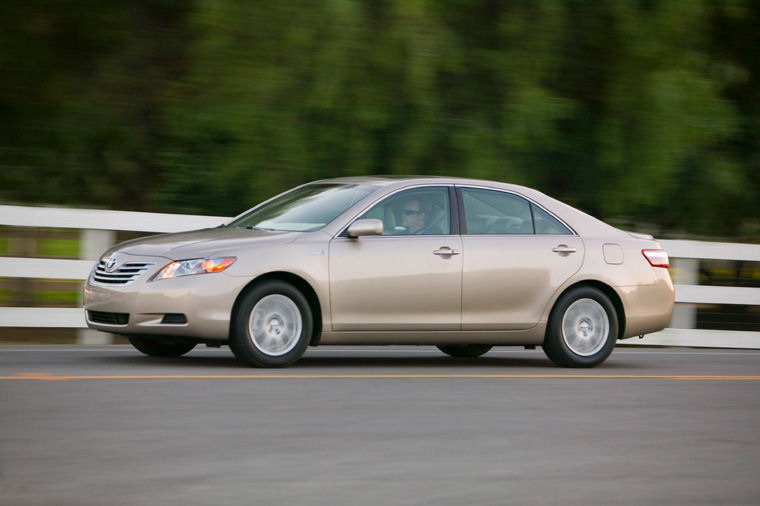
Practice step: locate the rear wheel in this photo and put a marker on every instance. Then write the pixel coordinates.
(161, 348)
(465, 350)
(582, 328)
(272, 325)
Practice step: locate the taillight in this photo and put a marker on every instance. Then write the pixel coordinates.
(656, 257)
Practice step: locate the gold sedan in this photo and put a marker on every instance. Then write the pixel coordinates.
(457, 263)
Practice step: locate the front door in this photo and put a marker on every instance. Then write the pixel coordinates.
(409, 278)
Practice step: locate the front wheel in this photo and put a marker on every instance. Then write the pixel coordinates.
(272, 325)
(160, 348)
(582, 328)
(465, 350)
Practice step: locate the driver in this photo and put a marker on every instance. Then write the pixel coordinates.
(415, 215)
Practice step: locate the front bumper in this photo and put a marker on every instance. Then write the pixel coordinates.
(206, 300)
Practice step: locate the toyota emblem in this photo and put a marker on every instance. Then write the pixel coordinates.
(111, 264)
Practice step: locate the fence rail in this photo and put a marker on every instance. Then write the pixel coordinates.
(97, 233)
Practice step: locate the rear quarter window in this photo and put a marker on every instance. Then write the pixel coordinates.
(546, 224)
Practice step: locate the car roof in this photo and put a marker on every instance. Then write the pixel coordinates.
(378, 180)
(403, 180)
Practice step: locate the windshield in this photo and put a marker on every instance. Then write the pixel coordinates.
(304, 209)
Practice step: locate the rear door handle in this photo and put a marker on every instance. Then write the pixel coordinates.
(563, 248)
(445, 251)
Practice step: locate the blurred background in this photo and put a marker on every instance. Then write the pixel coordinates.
(644, 113)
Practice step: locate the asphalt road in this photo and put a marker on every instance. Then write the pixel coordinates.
(386, 426)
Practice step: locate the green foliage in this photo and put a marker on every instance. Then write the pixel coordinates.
(47, 298)
(635, 111)
(58, 248)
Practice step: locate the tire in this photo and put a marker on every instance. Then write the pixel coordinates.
(582, 328)
(465, 350)
(272, 325)
(161, 348)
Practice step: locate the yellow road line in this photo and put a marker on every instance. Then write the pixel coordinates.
(51, 377)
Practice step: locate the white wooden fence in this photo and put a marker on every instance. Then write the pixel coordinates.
(97, 233)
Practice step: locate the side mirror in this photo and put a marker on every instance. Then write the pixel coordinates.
(365, 227)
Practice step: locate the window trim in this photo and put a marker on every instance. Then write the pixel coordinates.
(463, 219)
(455, 211)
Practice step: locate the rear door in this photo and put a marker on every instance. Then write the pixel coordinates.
(516, 256)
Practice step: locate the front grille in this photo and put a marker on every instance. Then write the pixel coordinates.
(108, 318)
(124, 275)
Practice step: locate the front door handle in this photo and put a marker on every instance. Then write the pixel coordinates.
(564, 248)
(445, 251)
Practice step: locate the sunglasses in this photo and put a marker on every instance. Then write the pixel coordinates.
(412, 212)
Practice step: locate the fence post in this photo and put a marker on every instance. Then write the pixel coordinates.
(92, 244)
(685, 272)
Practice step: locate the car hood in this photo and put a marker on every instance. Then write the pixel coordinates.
(201, 243)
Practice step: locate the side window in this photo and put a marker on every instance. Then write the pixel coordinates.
(547, 224)
(495, 212)
(419, 211)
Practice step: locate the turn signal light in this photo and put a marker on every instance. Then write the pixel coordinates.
(216, 264)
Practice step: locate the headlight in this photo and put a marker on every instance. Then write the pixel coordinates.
(194, 266)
